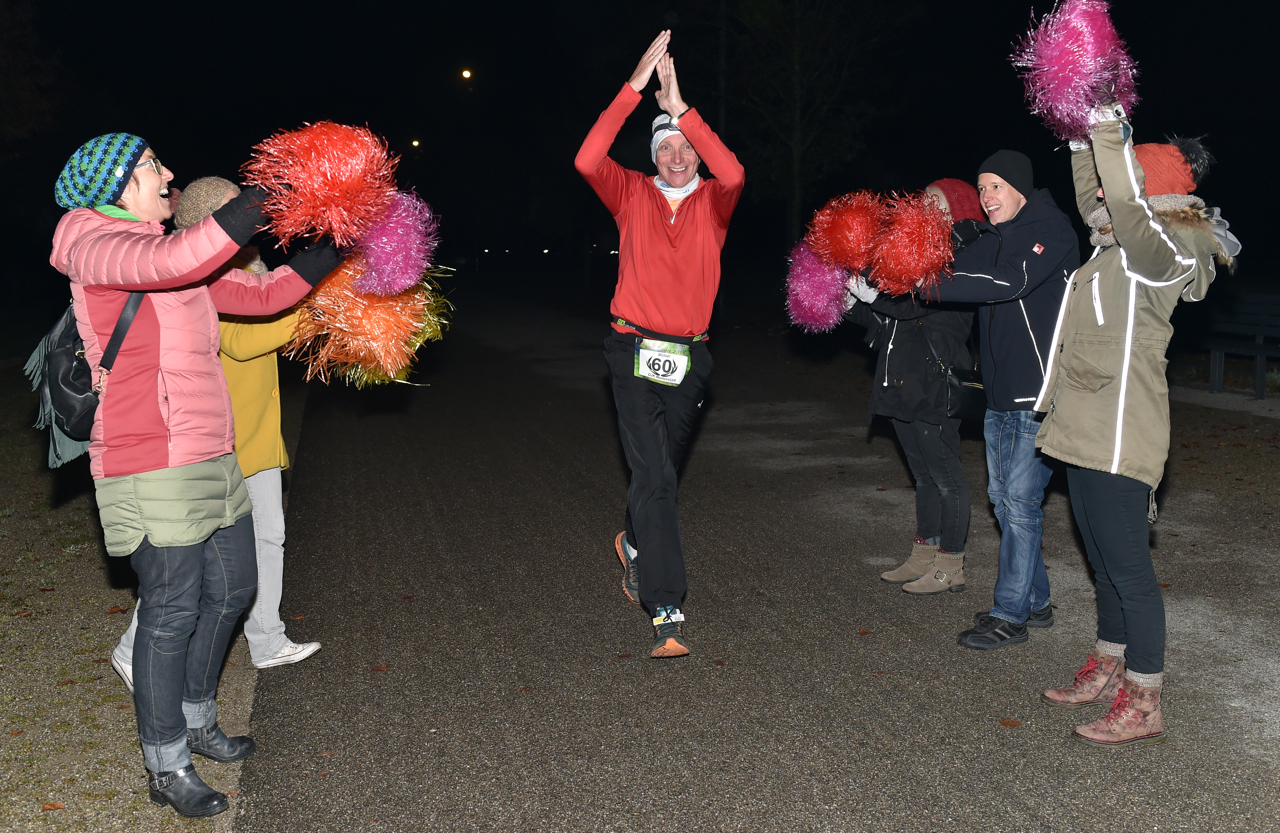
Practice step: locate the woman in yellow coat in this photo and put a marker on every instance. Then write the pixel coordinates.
(248, 354)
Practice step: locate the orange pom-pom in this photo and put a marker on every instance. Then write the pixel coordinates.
(367, 339)
(324, 178)
(843, 231)
(914, 249)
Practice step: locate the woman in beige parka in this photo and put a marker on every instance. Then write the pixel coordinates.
(1107, 399)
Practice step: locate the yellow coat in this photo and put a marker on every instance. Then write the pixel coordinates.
(248, 354)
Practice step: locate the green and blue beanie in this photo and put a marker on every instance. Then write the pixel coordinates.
(98, 172)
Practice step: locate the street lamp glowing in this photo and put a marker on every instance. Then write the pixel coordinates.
(466, 73)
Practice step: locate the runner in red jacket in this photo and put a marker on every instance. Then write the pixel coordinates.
(672, 227)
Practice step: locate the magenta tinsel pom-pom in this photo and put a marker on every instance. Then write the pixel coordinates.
(914, 250)
(815, 291)
(398, 247)
(842, 231)
(1072, 62)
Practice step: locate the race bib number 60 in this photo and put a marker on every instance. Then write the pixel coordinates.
(662, 361)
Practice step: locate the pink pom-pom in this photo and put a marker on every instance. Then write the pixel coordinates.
(914, 250)
(1072, 62)
(844, 230)
(815, 291)
(398, 248)
(324, 178)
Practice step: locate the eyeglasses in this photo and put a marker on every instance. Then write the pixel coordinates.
(154, 163)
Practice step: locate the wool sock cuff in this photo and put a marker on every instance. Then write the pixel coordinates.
(1146, 680)
(1111, 649)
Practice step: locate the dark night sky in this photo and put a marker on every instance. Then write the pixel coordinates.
(202, 82)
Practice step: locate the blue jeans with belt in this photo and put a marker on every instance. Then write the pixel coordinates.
(1017, 475)
(189, 600)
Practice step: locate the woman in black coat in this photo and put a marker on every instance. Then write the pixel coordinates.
(915, 344)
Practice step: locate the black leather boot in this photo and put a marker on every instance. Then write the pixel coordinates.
(214, 744)
(183, 790)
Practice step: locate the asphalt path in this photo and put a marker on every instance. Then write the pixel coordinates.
(451, 546)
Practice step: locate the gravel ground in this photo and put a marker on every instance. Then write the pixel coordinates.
(69, 758)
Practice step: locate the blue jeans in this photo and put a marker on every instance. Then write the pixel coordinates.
(1018, 475)
(189, 600)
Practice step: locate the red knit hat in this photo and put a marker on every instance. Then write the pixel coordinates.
(962, 199)
(1166, 168)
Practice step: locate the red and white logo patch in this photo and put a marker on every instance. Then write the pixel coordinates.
(1038, 249)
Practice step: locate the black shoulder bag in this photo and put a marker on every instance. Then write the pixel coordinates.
(60, 372)
(966, 398)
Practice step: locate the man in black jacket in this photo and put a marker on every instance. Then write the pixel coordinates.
(1017, 264)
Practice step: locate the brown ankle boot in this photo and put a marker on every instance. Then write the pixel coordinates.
(920, 562)
(945, 576)
(1097, 681)
(1134, 718)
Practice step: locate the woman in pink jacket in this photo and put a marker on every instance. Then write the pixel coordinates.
(170, 493)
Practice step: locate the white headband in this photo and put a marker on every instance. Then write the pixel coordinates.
(660, 133)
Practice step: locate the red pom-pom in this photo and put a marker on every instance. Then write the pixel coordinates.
(324, 178)
(914, 249)
(844, 230)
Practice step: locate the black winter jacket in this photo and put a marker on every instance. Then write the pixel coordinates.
(1020, 269)
(910, 383)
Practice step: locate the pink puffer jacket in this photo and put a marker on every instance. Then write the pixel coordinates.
(165, 403)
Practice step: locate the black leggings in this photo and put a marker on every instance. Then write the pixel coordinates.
(1111, 511)
(655, 422)
(942, 494)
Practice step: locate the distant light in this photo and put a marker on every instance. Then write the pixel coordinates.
(466, 73)
(544, 251)
(614, 252)
(486, 251)
(415, 142)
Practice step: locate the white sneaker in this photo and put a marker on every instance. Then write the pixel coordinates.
(125, 671)
(291, 652)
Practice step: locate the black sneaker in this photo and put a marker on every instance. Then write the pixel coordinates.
(668, 636)
(990, 633)
(630, 572)
(1042, 618)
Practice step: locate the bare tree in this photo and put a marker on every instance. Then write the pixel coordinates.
(795, 76)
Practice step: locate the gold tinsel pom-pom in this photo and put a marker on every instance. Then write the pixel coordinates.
(365, 339)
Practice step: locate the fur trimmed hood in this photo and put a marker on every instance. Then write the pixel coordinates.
(1200, 219)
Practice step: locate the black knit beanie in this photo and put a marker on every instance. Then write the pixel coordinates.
(1011, 166)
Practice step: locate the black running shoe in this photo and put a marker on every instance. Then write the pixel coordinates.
(630, 572)
(1042, 618)
(990, 633)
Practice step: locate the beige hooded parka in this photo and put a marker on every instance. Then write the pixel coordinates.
(1105, 391)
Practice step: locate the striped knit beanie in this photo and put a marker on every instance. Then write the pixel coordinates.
(98, 172)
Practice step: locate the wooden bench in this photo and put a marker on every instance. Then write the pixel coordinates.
(1247, 324)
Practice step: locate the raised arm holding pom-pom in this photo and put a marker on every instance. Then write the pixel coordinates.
(1107, 400)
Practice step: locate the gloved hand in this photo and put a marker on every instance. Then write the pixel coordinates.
(863, 291)
(240, 217)
(316, 261)
(964, 232)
